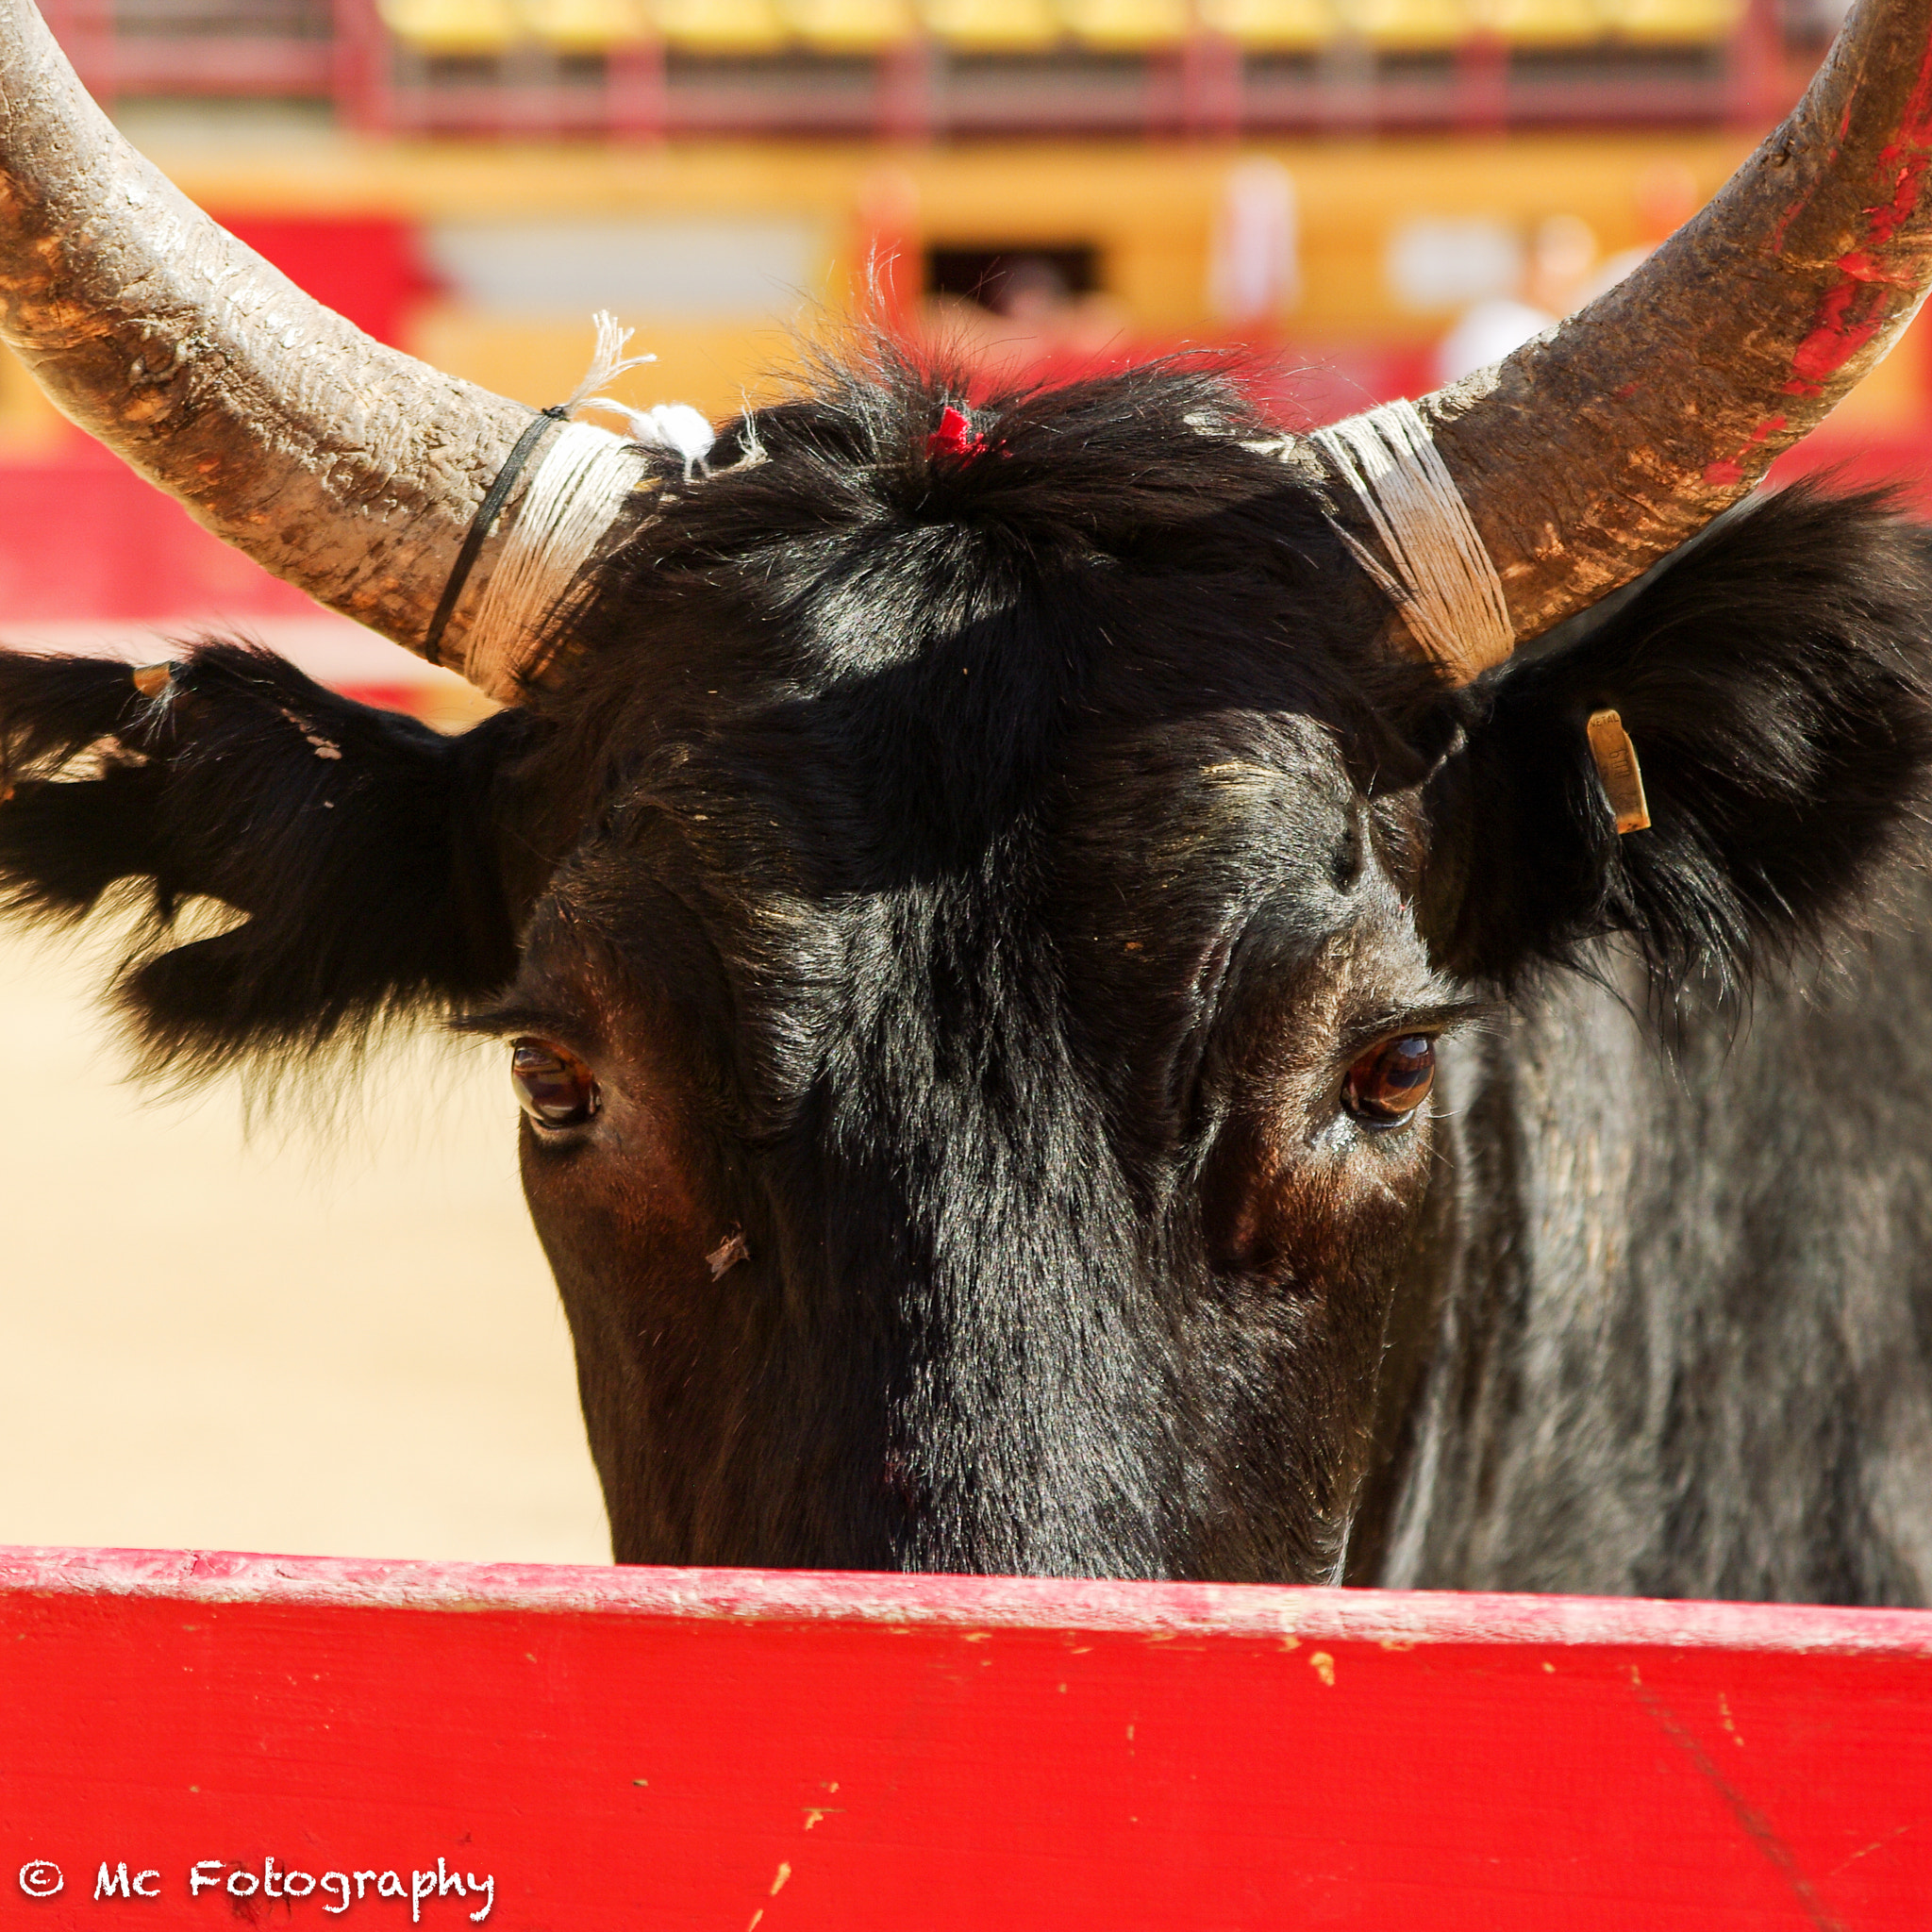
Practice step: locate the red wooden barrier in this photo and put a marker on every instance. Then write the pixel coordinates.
(307, 1741)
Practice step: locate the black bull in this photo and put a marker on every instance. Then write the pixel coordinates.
(981, 927)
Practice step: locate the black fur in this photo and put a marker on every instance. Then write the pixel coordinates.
(970, 880)
(358, 847)
(1774, 682)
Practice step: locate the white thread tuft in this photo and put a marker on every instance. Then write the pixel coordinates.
(674, 427)
(608, 362)
(1439, 574)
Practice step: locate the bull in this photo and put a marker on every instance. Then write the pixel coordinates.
(1094, 988)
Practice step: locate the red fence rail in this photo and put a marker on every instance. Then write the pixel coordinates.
(304, 1741)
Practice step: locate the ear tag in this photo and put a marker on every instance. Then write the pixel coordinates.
(151, 681)
(1617, 766)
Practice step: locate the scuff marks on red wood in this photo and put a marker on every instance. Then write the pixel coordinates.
(1752, 1819)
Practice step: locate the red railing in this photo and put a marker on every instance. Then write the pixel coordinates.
(532, 1748)
(145, 48)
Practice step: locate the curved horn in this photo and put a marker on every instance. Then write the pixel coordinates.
(1602, 445)
(344, 466)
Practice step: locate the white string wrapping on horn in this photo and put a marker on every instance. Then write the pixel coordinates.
(574, 496)
(576, 490)
(1439, 574)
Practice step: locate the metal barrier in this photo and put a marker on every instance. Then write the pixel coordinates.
(190, 1738)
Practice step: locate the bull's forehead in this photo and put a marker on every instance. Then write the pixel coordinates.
(1116, 822)
(848, 766)
(843, 916)
(1213, 815)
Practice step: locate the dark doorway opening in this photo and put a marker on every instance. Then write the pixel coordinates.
(1002, 279)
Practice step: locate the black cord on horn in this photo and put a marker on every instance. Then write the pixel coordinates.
(482, 522)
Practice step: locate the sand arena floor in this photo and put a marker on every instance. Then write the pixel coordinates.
(343, 1343)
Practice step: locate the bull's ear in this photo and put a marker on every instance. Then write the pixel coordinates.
(357, 851)
(1772, 679)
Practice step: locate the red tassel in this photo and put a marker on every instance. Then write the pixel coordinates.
(954, 436)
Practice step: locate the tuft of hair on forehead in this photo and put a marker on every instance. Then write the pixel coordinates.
(1108, 448)
(1146, 517)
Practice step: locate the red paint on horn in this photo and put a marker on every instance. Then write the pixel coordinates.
(1835, 339)
(1843, 323)
(1859, 267)
(1730, 471)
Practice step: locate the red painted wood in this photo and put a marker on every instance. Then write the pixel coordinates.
(368, 267)
(82, 536)
(745, 1752)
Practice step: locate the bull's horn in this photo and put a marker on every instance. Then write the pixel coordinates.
(342, 465)
(1605, 443)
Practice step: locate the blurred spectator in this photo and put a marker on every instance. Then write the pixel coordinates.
(1813, 22)
(1562, 252)
(1667, 197)
(1485, 333)
(1253, 270)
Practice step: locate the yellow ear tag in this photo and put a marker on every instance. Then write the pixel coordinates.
(151, 681)
(1617, 766)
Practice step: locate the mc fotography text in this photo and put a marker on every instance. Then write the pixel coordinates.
(126, 1878)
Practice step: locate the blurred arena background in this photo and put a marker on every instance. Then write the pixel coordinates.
(349, 1343)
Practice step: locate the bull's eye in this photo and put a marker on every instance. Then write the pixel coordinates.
(554, 1088)
(1389, 1081)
